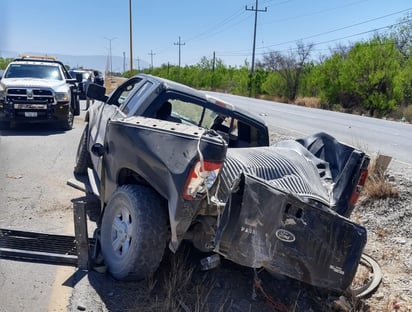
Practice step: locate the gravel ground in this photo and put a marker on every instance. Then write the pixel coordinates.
(389, 225)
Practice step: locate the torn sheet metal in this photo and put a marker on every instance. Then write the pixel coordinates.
(264, 226)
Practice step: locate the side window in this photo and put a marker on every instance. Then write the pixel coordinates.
(131, 100)
(191, 113)
(120, 95)
(236, 132)
(186, 111)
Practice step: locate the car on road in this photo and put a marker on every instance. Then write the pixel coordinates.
(83, 77)
(170, 163)
(38, 89)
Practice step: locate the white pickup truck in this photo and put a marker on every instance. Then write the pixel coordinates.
(37, 89)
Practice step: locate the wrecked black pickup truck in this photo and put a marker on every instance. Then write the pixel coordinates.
(170, 163)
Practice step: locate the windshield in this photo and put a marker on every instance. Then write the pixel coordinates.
(33, 71)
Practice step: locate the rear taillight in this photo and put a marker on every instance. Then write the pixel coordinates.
(201, 179)
(358, 189)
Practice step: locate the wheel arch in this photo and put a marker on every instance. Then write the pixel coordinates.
(128, 176)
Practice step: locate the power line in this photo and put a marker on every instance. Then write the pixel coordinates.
(350, 36)
(244, 53)
(337, 29)
(315, 12)
(224, 22)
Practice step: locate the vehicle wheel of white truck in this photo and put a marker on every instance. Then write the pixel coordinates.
(68, 123)
(134, 232)
(83, 160)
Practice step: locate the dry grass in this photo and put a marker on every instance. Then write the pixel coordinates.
(312, 102)
(111, 83)
(377, 184)
(174, 289)
(407, 113)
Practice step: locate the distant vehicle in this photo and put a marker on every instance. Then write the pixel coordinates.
(98, 77)
(82, 76)
(38, 89)
(171, 163)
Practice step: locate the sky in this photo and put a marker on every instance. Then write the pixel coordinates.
(88, 30)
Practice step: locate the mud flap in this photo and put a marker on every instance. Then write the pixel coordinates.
(265, 227)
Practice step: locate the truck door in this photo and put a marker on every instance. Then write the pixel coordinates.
(109, 111)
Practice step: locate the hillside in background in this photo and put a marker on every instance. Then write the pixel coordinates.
(99, 62)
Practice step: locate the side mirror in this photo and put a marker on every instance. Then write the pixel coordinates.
(79, 77)
(96, 92)
(98, 149)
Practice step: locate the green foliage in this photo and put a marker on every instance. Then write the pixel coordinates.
(403, 82)
(367, 78)
(4, 62)
(274, 85)
(369, 73)
(327, 78)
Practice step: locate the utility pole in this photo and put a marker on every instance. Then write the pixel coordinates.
(110, 53)
(256, 10)
(124, 62)
(179, 44)
(213, 70)
(138, 64)
(151, 58)
(252, 70)
(131, 45)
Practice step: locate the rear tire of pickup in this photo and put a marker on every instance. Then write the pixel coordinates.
(134, 232)
(83, 160)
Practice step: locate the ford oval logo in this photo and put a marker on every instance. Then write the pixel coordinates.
(285, 235)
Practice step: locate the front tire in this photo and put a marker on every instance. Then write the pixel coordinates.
(134, 232)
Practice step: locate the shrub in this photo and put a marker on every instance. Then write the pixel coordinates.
(407, 113)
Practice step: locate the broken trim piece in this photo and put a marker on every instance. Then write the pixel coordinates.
(376, 279)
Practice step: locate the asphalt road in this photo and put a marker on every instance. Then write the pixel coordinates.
(35, 163)
(370, 134)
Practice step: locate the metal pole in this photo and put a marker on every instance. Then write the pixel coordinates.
(179, 44)
(151, 59)
(256, 10)
(110, 53)
(131, 44)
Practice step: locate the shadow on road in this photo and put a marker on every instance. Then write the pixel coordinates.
(40, 129)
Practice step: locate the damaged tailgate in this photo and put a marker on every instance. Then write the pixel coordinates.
(263, 226)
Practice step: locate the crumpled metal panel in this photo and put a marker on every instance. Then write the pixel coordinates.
(263, 226)
(282, 167)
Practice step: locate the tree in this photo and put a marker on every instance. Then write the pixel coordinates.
(402, 34)
(403, 83)
(290, 67)
(369, 73)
